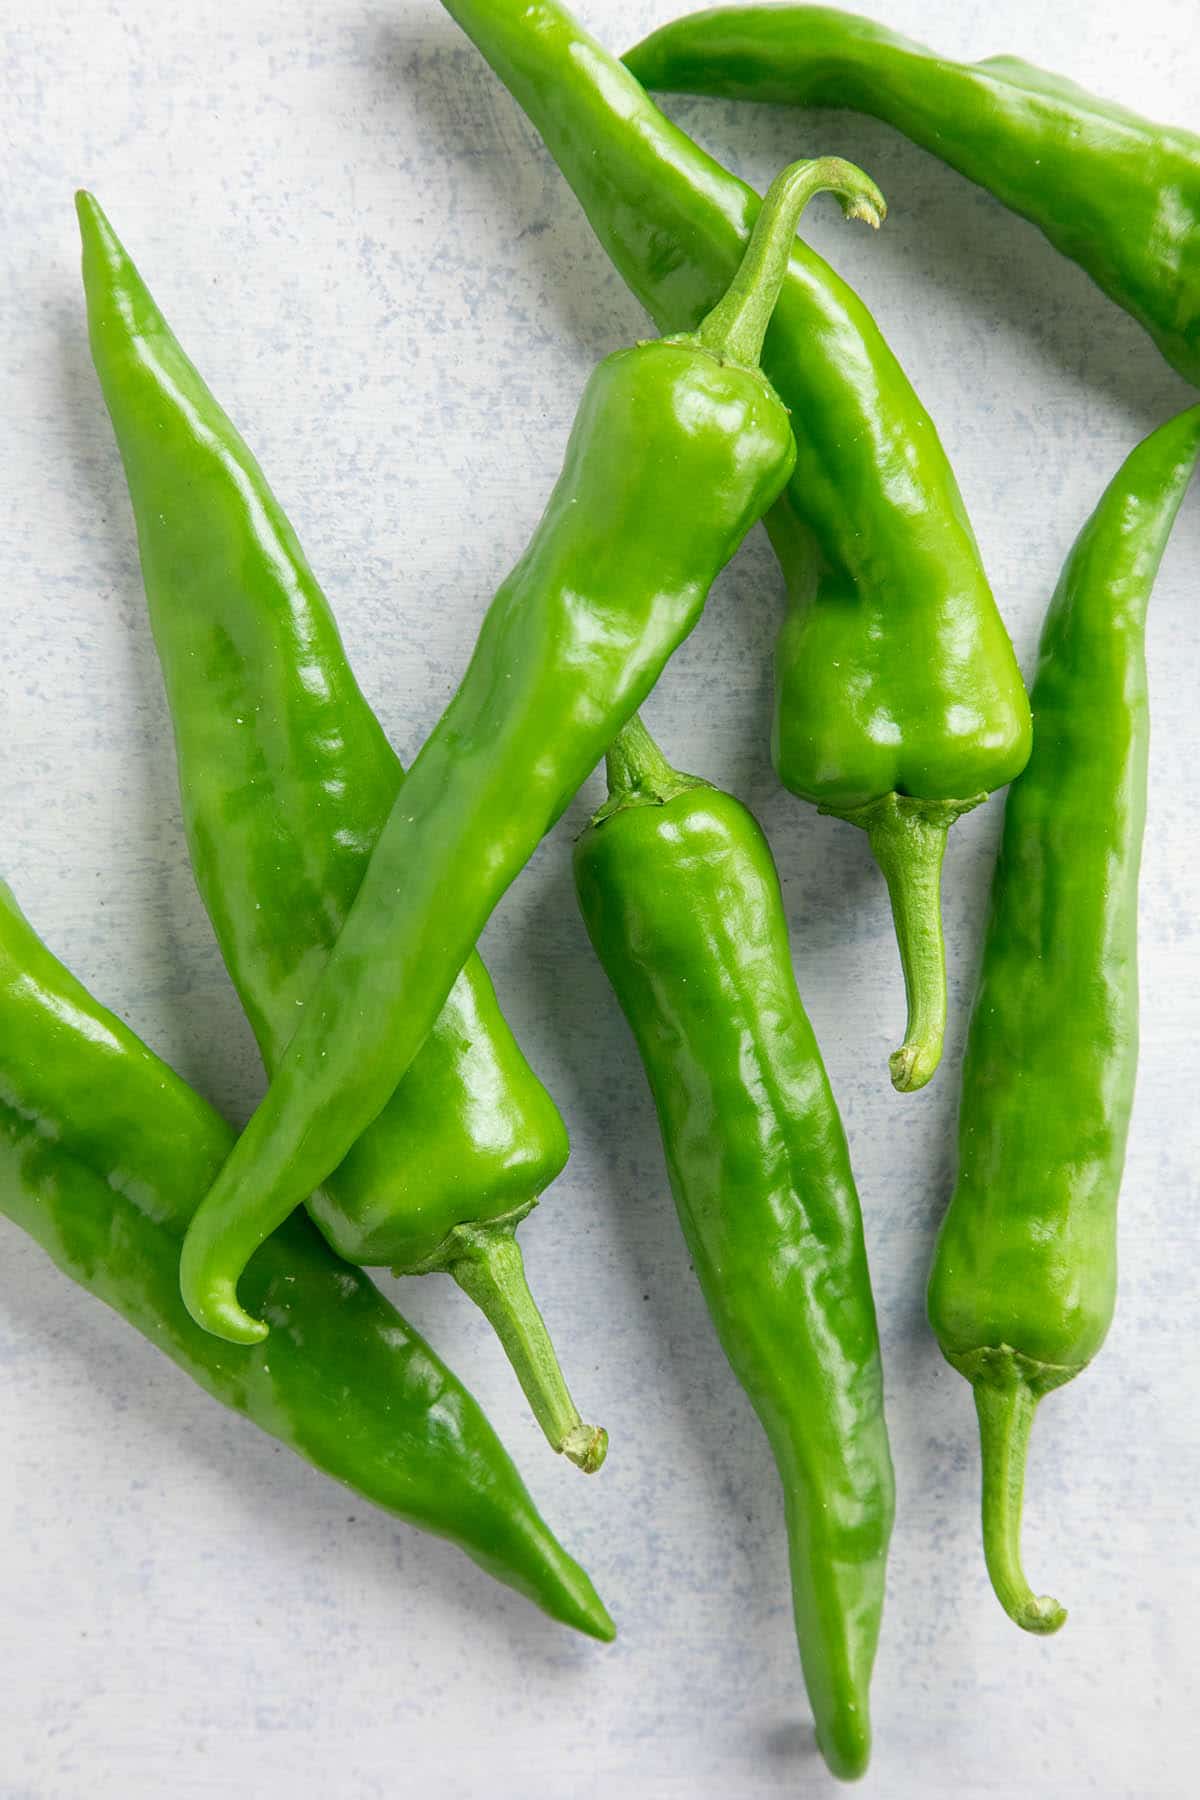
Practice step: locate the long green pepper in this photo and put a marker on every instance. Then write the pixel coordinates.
(898, 701)
(679, 446)
(681, 900)
(286, 779)
(104, 1153)
(1116, 193)
(1024, 1277)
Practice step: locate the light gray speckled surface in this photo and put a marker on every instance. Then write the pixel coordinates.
(372, 260)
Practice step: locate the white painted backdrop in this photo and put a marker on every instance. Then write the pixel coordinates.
(369, 255)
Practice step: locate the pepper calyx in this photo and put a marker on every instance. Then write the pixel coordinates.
(639, 774)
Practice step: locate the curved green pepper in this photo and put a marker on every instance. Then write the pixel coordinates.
(103, 1154)
(679, 446)
(899, 703)
(286, 779)
(681, 900)
(1024, 1276)
(1117, 194)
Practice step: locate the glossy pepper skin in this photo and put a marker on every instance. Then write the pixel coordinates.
(679, 446)
(1116, 193)
(898, 701)
(104, 1153)
(1024, 1276)
(286, 779)
(681, 899)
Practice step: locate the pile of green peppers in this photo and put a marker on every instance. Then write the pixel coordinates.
(347, 896)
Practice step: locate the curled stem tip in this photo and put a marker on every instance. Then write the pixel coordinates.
(586, 1446)
(1006, 1410)
(486, 1262)
(737, 325)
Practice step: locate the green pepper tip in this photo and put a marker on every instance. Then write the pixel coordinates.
(597, 1622)
(91, 214)
(847, 1761)
(843, 1729)
(103, 251)
(214, 1305)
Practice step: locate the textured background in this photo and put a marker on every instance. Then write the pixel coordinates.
(370, 257)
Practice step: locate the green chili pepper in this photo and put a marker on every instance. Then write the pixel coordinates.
(103, 1153)
(679, 446)
(1024, 1276)
(682, 903)
(1117, 194)
(899, 703)
(286, 779)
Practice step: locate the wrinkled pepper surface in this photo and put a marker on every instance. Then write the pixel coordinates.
(104, 1153)
(1024, 1277)
(681, 900)
(898, 701)
(679, 446)
(1116, 193)
(286, 779)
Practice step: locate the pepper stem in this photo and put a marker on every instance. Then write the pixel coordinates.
(908, 841)
(635, 764)
(1006, 1412)
(487, 1264)
(737, 325)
